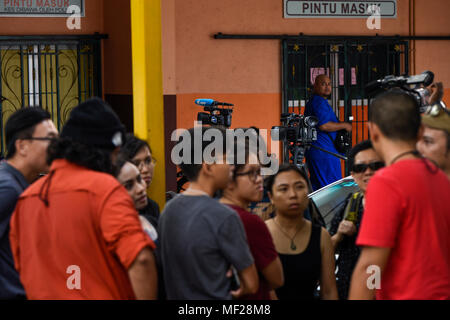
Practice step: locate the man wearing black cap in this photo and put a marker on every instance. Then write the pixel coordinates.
(28, 133)
(75, 233)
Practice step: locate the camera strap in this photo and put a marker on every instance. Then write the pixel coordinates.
(352, 208)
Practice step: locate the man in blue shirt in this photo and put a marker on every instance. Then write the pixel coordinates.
(28, 133)
(324, 168)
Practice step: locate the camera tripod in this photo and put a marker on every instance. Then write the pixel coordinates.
(298, 150)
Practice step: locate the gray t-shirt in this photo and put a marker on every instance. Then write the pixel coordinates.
(199, 240)
(12, 184)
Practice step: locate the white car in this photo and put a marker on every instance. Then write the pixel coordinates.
(331, 199)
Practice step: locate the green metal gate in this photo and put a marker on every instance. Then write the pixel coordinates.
(350, 64)
(53, 72)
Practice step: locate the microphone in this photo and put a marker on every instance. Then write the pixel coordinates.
(211, 102)
(425, 77)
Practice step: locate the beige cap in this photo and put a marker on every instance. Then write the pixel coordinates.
(441, 119)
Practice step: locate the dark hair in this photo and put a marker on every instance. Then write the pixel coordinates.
(93, 122)
(363, 145)
(245, 146)
(21, 124)
(133, 145)
(191, 170)
(87, 156)
(286, 167)
(118, 164)
(397, 114)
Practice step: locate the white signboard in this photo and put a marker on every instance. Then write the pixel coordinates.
(338, 9)
(40, 8)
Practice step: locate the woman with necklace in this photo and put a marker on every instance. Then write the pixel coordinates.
(305, 249)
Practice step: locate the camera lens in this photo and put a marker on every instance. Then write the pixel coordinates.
(278, 133)
(311, 121)
(203, 117)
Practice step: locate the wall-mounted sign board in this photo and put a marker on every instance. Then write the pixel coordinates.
(40, 8)
(338, 9)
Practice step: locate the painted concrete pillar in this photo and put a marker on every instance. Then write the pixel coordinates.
(148, 107)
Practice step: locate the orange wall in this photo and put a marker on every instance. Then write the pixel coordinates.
(92, 22)
(203, 63)
(111, 17)
(432, 19)
(231, 69)
(251, 109)
(168, 46)
(117, 48)
(260, 110)
(194, 62)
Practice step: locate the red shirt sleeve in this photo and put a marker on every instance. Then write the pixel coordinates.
(121, 227)
(14, 239)
(383, 214)
(260, 242)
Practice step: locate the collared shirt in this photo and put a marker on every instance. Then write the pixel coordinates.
(12, 184)
(320, 108)
(74, 235)
(324, 168)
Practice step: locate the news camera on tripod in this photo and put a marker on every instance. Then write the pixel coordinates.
(313, 136)
(216, 114)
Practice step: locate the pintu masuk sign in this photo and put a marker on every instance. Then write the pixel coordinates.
(40, 8)
(338, 9)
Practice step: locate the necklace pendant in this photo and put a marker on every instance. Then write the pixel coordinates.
(293, 246)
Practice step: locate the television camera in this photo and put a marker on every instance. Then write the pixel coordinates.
(414, 85)
(219, 113)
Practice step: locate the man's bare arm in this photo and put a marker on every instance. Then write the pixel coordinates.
(370, 256)
(327, 277)
(143, 275)
(249, 282)
(346, 228)
(335, 126)
(273, 274)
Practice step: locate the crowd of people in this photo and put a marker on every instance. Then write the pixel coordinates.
(86, 229)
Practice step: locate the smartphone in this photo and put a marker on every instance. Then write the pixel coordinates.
(235, 284)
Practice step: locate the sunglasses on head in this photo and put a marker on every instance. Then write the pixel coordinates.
(374, 166)
(436, 109)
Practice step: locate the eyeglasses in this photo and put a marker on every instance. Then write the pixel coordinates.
(252, 175)
(147, 162)
(362, 167)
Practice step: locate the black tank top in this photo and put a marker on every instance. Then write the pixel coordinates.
(302, 271)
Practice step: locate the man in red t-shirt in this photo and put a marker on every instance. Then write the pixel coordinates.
(75, 233)
(406, 223)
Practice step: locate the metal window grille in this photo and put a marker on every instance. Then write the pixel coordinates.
(53, 72)
(350, 65)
